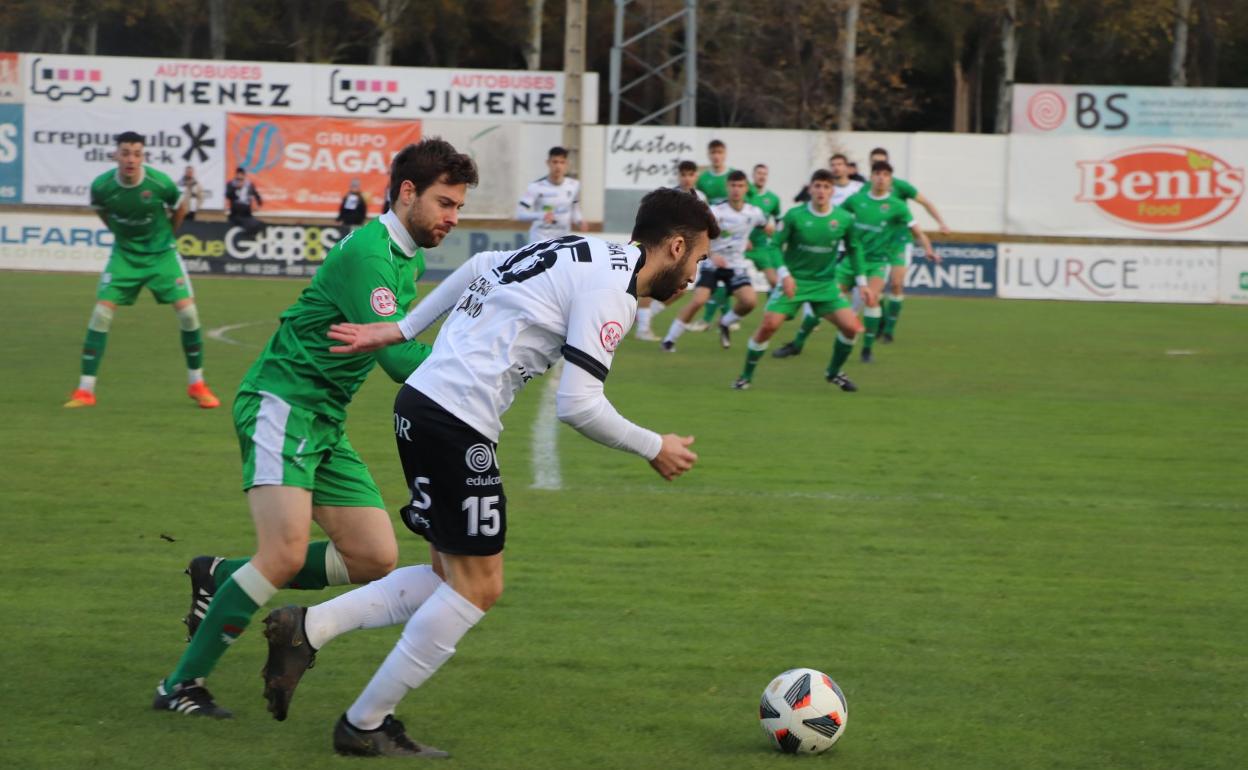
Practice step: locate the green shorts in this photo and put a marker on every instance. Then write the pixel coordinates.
(845, 274)
(289, 446)
(824, 298)
(125, 274)
(901, 258)
(764, 257)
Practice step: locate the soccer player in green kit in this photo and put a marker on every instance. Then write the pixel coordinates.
(898, 264)
(141, 207)
(808, 240)
(764, 256)
(880, 217)
(298, 465)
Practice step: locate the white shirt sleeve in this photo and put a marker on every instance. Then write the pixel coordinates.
(443, 298)
(581, 403)
(527, 209)
(598, 322)
(578, 218)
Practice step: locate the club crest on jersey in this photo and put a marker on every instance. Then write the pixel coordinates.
(383, 301)
(146, 195)
(610, 335)
(833, 224)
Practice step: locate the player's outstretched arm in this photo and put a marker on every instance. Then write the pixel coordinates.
(925, 242)
(926, 203)
(364, 338)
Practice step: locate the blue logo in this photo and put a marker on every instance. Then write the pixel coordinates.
(259, 147)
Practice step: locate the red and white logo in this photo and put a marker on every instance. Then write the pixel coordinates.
(610, 335)
(1161, 187)
(383, 301)
(1046, 110)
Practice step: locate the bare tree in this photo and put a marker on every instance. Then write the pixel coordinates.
(849, 67)
(216, 28)
(1178, 53)
(1009, 57)
(533, 55)
(389, 12)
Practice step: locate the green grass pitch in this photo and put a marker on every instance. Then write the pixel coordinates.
(1024, 544)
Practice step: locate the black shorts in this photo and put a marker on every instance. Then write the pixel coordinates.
(457, 501)
(711, 276)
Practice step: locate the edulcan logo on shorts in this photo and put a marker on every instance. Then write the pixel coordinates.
(1161, 187)
(480, 458)
(383, 301)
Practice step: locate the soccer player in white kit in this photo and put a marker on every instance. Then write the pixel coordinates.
(553, 203)
(513, 315)
(727, 263)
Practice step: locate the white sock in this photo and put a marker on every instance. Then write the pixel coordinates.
(752, 345)
(428, 641)
(677, 329)
(656, 307)
(194, 375)
(859, 303)
(385, 602)
(729, 318)
(643, 318)
(807, 310)
(87, 382)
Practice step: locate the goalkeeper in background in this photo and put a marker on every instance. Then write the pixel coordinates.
(141, 207)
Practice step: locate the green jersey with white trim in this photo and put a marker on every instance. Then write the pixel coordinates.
(368, 276)
(810, 242)
(769, 203)
(715, 186)
(878, 222)
(137, 214)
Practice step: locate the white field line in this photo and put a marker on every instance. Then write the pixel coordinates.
(221, 334)
(544, 451)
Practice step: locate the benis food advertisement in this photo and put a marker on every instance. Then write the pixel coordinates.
(1190, 190)
(303, 166)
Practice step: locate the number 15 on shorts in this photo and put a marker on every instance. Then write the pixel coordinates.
(482, 514)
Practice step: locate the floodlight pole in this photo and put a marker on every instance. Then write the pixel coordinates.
(687, 59)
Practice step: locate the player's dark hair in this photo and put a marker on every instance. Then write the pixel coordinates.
(878, 151)
(666, 211)
(240, 170)
(737, 175)
(840, 155)
(716, 144)
(881, 165)
(427, 162)
(557, 152)
(687, 165)
(822, 175)
(757, 166)
(130, 137)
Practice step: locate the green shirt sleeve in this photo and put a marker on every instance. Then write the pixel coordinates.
(782, 234)
(367, 293)
(169, 192)
(904, 189)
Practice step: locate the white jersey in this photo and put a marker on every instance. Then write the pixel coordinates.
(841, 193)
(573, 297)
(563, 199)
(734, 231)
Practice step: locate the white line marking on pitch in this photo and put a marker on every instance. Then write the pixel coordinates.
(220, 334)
(545, 445)
(1180, 352)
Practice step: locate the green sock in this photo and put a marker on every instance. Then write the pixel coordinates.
(312, 577)
(227, 617)
(93, 351)
(193, 347)
(872, 322)
(892, 309)
(718, 300)
(808, 325)
(752, 356)
(840, 354)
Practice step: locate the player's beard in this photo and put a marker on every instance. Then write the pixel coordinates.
(668, 283)
(426, 234)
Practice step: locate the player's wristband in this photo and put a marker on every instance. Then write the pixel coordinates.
(782, 272)
(860, 280)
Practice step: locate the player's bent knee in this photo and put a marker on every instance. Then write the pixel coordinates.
(372, 566)
(101, 317)
(188, 317)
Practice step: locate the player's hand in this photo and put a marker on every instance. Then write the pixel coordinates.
(362, 338)
(868, 295)
(932, 254)
(944, 229)
(718, 261)
(769, 228)
(549, 217)
(674, 457)
(788, 286)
